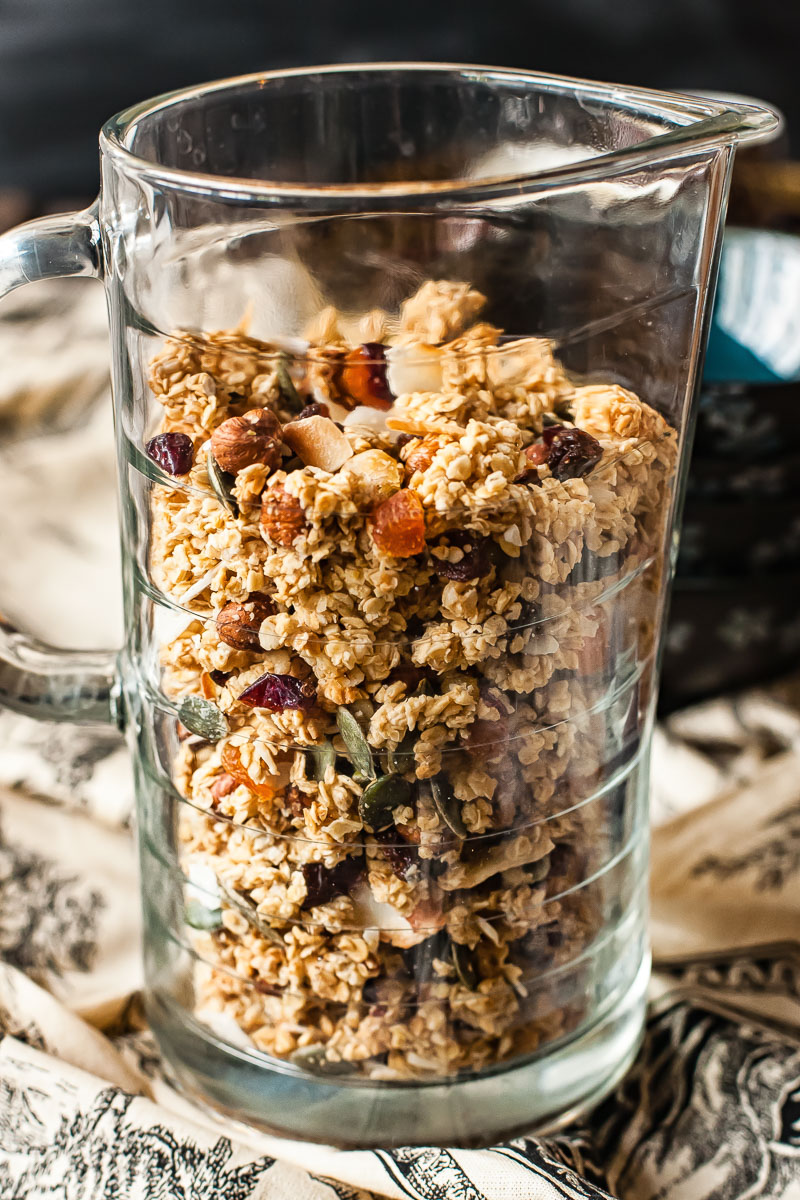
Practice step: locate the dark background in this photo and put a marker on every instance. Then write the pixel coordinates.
(66, 65)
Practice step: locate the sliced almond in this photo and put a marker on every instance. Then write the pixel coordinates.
(318, 442)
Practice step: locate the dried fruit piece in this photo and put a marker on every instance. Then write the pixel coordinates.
(254, 437)
(203, 718)
(174, 452)
(318, 442)
(380, 797)
(221, 485)
(238, 624)
(279, 692)
(573, 453)
(282, 516)
(398, 525)
(315, 409)
(363, 376)
(376, 475)
(447, 806)
(474, 562)
(400, 858)
(323, 883)
(232, 764)
(414, 367)
(358, 750)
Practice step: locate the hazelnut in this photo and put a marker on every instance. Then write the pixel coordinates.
(238, 624)
(240, 442)
(282, 517)
(222, 786)
(421, 455)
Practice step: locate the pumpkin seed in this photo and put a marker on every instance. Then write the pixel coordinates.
(248, 911)
(312, 1058)
(291, 399)
(401, 759)
(221, 485)
(322, 757)
(200, 916)
(539, 870)
(447, 806)
(358, 750)
(464, 965)
(380, 797)
(203, 718)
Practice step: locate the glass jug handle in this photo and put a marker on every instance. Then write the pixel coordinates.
(36, 679)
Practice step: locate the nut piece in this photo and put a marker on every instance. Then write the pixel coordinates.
(243, 441)
(421, 454)
(375, 474)
(238, 624)
(282, 517)
(222, 786)
(318, 442)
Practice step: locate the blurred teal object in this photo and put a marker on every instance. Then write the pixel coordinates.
(755, 326)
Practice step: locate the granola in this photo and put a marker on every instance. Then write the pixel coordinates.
(415, 580)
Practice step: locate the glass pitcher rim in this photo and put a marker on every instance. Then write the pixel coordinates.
(698, 122)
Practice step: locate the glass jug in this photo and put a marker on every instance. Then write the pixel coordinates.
(403, 361)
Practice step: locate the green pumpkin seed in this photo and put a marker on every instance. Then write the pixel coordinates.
(464, 965)
(358, 750)
(401, 759)
(312, 1058)
(322, 757)
(539, 870)
(447, 806)
(380, 797)
(203, 718)
(292, 401)
(199, 916)
(221, 485)
(248, 910)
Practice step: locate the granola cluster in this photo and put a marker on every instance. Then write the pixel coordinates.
(409, 585)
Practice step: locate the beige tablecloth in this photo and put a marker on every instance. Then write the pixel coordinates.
(711, 1108)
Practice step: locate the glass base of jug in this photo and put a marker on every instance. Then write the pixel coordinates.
(545, 1091)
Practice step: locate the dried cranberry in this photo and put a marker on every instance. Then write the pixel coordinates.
(296, 801)
(267, 989)
(279, 692)
(174, 452)
(550, 432)
(400, 858)
(474, 562)
(573, 453)
(323, 884)
(315, 409)
(220, 677)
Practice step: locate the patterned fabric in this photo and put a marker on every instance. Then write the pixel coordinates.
(710, 1111)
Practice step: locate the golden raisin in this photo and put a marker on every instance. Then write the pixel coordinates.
(363, 376)
(232, 763)
(398, 525)
(282, 516)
